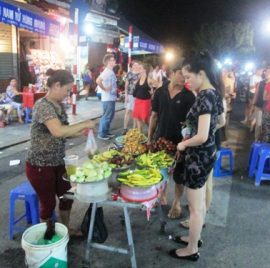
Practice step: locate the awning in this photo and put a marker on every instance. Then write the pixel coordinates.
(19, 15)
(142, 46)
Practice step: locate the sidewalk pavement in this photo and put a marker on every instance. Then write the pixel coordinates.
(90, 109)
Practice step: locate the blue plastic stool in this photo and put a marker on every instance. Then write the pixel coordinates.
(254, 156)
(219, 171)
(24, 192)
(261, 172)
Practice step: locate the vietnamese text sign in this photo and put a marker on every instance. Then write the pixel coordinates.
(24, 19)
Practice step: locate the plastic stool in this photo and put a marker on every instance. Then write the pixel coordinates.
(24, 192)
(264, 156)
(254, 156)
(218, 170)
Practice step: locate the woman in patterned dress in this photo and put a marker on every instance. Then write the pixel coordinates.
(45, 164)
(202, 75)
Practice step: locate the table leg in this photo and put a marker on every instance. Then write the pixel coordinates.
(130, 239)
(161, 218)
(86, 261)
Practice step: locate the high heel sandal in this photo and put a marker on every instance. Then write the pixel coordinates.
(192, 257)
(177, 239)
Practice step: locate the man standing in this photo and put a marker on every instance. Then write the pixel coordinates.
(107, 84)
(131, 80)
(170, 106)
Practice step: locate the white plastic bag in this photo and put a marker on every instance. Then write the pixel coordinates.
(91, 145)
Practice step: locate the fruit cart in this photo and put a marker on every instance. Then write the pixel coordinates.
(113, 201)
(139, 187)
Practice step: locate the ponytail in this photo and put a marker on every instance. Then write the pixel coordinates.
(203, 61)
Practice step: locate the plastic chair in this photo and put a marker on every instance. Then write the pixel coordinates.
(26, 193)
(261, 172)
(254, 156)
(219, 171)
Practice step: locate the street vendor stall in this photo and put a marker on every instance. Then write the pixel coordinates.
(137, 178)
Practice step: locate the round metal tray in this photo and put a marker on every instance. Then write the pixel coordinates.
(120, 140)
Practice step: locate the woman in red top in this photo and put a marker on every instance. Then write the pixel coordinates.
(142, 94)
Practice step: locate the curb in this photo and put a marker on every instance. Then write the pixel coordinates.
(28, 139)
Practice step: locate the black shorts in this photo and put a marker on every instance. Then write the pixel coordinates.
(179, 170)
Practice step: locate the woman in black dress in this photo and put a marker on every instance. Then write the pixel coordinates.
(201, 73)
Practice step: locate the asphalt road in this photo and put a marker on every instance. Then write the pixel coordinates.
(237, 224)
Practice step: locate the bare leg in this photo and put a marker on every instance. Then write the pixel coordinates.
(139, 124)
(196, 201)
(175, 210)
(163, 196)
(208, 197)
(209, 190)
(87, 89)
(9, 111)
(126, 118)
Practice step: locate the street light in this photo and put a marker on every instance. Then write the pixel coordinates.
(89, 28)
(169, 56)
(228, 61)
(266, 27)
(249, 66)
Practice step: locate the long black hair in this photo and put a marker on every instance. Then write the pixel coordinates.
(203, 61)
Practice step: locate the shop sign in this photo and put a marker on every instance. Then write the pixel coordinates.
(24, 19)
(142, 45)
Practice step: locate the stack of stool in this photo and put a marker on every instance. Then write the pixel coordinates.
(26, 193)
(219, 170)
(259, 160)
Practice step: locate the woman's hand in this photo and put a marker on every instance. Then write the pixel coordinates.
(181, 146)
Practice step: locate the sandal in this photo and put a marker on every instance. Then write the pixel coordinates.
(185, 224)
(178, 240)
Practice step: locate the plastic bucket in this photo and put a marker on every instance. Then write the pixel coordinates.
(165, 173)
(45, 256)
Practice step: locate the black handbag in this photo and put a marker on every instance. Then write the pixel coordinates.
(100, 232)
(17, 98)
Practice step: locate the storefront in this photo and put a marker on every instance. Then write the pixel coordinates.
(97, 31)
(29, 43)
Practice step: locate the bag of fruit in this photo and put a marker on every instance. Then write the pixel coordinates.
(91, 145)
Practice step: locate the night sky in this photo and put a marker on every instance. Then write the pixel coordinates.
(176, 21)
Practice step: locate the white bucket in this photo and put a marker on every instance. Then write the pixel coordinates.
(45, 256)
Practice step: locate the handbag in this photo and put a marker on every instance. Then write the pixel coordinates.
(100, 232)
(17, 98)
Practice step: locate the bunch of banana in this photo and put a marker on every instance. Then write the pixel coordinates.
(140, 177)
(105, 156)
(155, 160)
